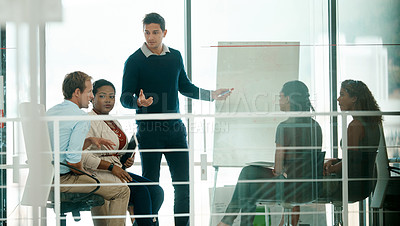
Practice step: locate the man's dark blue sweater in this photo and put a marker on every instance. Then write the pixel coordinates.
(160, 77)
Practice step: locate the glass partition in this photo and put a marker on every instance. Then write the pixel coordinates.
(368, 51)
(253, 47)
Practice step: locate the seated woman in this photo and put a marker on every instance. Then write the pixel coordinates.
(145, 199)
(363, 136)
(294, 132)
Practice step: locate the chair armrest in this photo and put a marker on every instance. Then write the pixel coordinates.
(84, 173)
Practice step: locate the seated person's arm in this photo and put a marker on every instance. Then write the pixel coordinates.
(93, 162)
(332, 166)
(279, 157)
(79, 166)
(115, 170)
(75, 146)
(355, 132)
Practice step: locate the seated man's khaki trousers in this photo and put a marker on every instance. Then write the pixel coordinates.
(118, 195)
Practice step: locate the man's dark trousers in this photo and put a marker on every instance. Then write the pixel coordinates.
(167, 134)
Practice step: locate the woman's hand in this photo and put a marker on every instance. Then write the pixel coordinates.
(279, 158)
(281, 173)
(129, 162)
(275, 173)
(121, 174)
(328, 167)
(222, 224)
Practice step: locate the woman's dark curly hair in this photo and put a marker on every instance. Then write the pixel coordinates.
(365, 100)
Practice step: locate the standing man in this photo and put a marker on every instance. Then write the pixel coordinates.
(153, 76)
(77, 89)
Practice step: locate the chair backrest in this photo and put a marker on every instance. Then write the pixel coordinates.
(304, 192)
(39, 154)
(383, 174)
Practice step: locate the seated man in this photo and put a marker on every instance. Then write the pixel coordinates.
(77, 91)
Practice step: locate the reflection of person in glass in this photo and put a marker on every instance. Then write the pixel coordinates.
(290, 134)
(145, 199)
(363, 137)
(153, 77)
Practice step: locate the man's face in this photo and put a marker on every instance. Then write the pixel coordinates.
(86, 96)
(154, 36)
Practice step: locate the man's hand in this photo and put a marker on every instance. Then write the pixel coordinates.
(121, 174)
(221, 94)
(129, 162)
(100, 141)
(142, 101)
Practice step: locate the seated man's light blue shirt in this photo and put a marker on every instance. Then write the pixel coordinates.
(72, 133)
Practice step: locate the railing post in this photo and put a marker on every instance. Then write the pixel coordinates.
(191, 170)
(57, 201)
(345, 176)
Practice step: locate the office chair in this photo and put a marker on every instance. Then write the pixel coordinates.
(76, 202)
(383, 172)
(303, 193)
(307, 166)
(38, 192)
(317, 197)
(336, 199)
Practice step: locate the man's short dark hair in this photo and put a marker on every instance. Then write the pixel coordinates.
(73, 81)
(154, 18)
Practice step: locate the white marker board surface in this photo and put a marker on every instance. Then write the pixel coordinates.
(257, 72)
